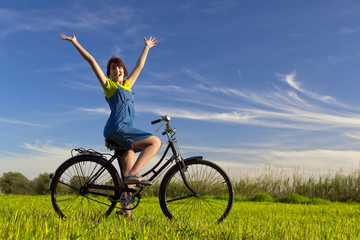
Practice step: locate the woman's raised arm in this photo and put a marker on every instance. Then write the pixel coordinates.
(141, 61)
(96, 68)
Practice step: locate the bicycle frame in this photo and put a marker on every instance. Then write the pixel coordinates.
(167, 163)
(176, 156)
(91, 175)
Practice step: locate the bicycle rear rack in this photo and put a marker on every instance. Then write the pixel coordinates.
(83, 151)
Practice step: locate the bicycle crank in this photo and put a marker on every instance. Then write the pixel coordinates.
(129, 200)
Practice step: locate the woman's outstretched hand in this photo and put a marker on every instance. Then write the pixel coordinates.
(71, 39)
(151, 42)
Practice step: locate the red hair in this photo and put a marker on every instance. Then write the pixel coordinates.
(119, 63)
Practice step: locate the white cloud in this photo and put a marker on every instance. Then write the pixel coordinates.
(297, 119)
(166, 88)
(296, 108)
(40, 157)
(348, 30)
(14, 20)
(290, 79)
(353, 135)
(320, 159)
(239, 73)
(312, 161)
(19, 122)
(37, 158)
(196, 76)
(335, 60)
(95, 110)
(80, 86)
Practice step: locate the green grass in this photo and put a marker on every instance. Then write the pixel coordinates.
(32, 217)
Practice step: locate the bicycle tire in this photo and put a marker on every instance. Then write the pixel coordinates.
(68, 187)
(215, 193)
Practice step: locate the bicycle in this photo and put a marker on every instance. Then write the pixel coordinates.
(88, 184)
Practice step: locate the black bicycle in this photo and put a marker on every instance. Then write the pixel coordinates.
(88, 184)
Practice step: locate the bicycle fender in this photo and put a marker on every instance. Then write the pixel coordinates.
(194, 157)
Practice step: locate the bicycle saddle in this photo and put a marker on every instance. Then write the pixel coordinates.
(116, 147)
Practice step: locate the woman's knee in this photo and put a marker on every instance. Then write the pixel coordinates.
(157, 142)
(151, 141)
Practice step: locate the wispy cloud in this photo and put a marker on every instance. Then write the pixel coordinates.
(296, 108)
(95, 110)
(19, 122)
(65, 67)
(297, 119)
(313, 161)
(291, 106)
(348, 30)
(40, 157)
(290, 79)
(235, 117)
(318, 159)
(162, 75)
(196, 76)
(353, 135)
(80, 86)
(335, 60)
(14, 20)
(239, 73)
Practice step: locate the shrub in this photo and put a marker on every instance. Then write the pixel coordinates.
(240, 198)
(262, 197)
(319, 201)
(295, 198)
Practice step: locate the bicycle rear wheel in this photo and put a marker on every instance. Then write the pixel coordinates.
(71, 195)
(213, 197)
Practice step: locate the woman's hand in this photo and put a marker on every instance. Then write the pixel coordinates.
(151, 42)
(71, 39)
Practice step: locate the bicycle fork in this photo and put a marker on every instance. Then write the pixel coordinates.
(183, 169)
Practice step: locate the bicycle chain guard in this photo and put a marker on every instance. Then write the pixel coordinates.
(129, 200)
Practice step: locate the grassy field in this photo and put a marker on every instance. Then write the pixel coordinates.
(32, 217)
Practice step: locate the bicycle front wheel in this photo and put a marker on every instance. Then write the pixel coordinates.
(208, 197)
(71, 191)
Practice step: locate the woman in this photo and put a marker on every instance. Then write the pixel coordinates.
(119, 127)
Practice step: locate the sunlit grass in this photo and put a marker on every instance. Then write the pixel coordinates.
(30, 217)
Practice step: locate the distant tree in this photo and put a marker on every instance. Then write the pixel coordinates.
(41, 184)
(15, 183)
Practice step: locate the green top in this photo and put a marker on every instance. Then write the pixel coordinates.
(112, 86)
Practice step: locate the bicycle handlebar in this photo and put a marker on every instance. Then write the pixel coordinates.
(156, 121)
(165, 118)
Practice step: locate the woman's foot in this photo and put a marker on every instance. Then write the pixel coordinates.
(136, 179)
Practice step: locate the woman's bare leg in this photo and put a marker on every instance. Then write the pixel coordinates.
(150, 146)
(127, 163)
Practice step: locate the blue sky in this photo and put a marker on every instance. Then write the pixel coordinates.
(248, 84)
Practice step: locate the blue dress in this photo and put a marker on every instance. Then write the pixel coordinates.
(119, 127)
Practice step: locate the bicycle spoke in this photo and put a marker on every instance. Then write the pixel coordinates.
(213, 199)
(175, 209)
(72, 197)
(180, 198)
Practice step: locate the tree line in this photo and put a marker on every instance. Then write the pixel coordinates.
(17, 183)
